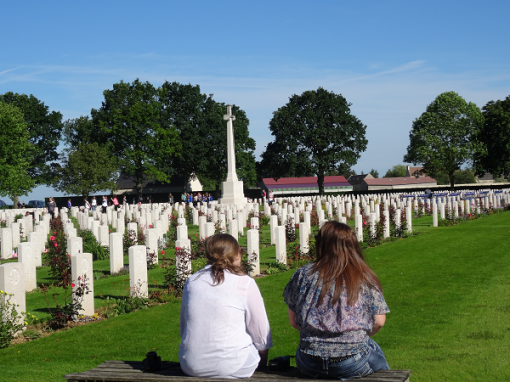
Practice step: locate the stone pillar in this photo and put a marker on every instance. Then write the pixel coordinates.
(82, 272)
(281, 245)
(252, 240)
(116, 252)
(26, 256)
(434, 215)
(138, 271)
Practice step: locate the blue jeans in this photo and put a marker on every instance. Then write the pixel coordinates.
(359, 365)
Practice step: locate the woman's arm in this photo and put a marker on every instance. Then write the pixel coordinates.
(263, 358)
(380, 319)
(292, 320)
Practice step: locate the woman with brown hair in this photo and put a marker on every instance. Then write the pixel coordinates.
(224, 328)
(337, 304)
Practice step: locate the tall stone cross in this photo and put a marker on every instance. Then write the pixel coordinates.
(231, 154)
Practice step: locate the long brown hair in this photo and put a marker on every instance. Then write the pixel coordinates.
(221, 250)
(340, 261)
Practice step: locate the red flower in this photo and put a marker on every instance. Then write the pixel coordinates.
(79, 277)
(56, 245)
(111, 231)
(176, 248)
(52, 238)
(162, 252)
(72, 285)
(54, 232)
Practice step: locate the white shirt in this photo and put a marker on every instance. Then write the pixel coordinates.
(222, 326)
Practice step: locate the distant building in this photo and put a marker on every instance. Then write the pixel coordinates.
(305, 185)
(355, 180)
(372, 183)
(127, 185)
(417, 172)
(486, 179)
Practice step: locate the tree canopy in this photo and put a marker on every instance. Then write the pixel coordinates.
(45, 132)
(374, 173)
(466, 176)
(16, 152)
(88, 168)
(129, 123)
(495, 134)
(314, 133)
(396, 171)
(443, 138)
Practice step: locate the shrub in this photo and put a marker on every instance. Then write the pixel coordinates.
(11, 322)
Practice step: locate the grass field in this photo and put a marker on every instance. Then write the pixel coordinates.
(447, 290)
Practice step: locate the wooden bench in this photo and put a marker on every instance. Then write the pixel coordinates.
(119, 371)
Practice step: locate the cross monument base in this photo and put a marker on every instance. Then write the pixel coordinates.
(232, 193)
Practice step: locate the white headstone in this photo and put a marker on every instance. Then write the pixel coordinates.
(281, 245)
(252, 241)
(12, 281)
(6, 248)
(26, 256)
(138, 271)
(82, 274)
(116, 252)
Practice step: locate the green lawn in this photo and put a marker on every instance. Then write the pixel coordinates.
(447, 290)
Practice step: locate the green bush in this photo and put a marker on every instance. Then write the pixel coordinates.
(11, 322)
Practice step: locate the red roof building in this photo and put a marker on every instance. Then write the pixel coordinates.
(395, 183)
(306, 185)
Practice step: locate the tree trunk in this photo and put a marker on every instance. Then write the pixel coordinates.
(320, 183)
(15, 200)
(452, 182)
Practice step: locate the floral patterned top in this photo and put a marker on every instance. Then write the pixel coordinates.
(331, 331)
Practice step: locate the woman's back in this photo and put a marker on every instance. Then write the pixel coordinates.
(337, 329)
(219, 324)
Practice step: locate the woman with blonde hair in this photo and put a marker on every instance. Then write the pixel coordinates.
(337, 304)
(224, 327)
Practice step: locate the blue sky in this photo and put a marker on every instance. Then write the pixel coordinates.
(389, 59)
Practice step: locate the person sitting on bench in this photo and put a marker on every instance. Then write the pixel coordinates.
(224, 327)
(336, 303)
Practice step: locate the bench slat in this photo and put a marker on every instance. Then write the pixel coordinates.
(117, 371)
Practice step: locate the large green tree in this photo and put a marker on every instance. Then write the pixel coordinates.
(396, 171)
(129, 123)
(443, 138)
(45, 131)
(495, 134)
(16, 152)
(314, 133)
(87, 168)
